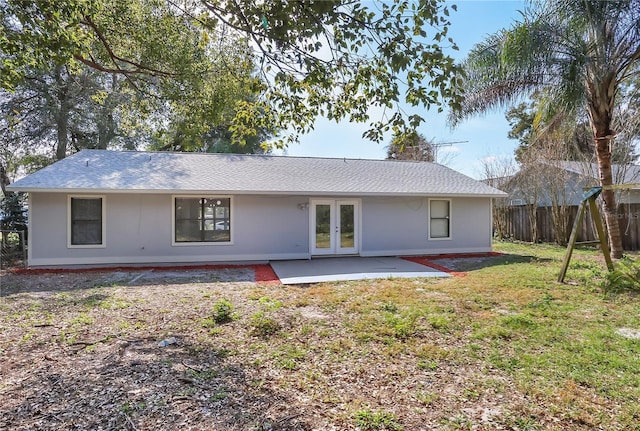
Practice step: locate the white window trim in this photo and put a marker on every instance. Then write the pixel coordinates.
(202, 243)
(448, 238)
(104, 221)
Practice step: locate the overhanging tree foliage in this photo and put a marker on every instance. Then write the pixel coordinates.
(579, 53)
(187, 107)
(338, 59)
(413, 146)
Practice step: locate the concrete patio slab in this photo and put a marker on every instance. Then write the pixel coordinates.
(349, 268)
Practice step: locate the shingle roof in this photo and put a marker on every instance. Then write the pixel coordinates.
(622, 174)
(158, 172)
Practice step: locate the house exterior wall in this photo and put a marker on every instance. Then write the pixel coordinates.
(138, 230)
(399, 226)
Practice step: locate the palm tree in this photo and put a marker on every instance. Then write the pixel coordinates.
(577, 54)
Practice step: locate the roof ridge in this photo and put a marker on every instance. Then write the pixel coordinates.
(199, 153)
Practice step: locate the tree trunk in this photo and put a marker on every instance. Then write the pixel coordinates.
(608, 196)
(4, 179)
(62, 116)
(602, 93)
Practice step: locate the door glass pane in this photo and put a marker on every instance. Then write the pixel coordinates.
(323, 226)
(347, 224)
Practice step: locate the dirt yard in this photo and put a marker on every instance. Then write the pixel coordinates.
(84, 351)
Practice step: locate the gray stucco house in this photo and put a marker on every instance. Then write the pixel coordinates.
(102, 207)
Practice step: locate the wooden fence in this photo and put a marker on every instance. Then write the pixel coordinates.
(516, 224)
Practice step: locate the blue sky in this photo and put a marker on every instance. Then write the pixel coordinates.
(486, 135)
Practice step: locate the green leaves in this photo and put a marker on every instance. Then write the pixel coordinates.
(34, 34)
(341, 59)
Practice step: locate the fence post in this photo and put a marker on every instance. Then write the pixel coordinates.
(24, 249)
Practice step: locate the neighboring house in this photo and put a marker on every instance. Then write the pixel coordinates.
(116, 207)
(567, 181)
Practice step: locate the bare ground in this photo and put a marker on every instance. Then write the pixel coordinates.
(80, 351)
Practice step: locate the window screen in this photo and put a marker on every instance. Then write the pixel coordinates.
(86, 221)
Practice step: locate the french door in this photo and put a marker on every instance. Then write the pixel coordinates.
(334, 226)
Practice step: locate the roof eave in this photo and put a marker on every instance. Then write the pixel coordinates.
(246, 192)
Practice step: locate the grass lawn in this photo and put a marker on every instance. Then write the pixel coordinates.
(504, 347)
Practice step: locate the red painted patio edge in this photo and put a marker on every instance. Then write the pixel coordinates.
(263, 274)
(427, 260)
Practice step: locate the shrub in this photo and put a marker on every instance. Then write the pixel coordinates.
(370, 420)
(626, 276)
(263, 325)
(222, 312)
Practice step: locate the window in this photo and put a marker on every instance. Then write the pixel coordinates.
(86, 221)
(439, 219)
(202, 219)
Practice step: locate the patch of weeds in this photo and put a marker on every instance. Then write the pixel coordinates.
(479, 303)
(214, 331)
(493, 332)
(518, 322)
(403, 327)
(439, 322)
(503, 361)
(306, 330)
(114, 304)
(528, 423)
(389, 307)
(470, 394)
(542, 303)
(64, 337)
(290, 357)
(128, 408)
(219, 395)
(625, 277)
(431, 352)
(341, 345)
(269, 304)
(395, 349)
(88, 302)
(206, 374)
(263, 325)
(26, 337)
(369, 420)
(81, 319)
(187, 392)
(458, 422)
(222, 311)
(427, 397)
(428, 365)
